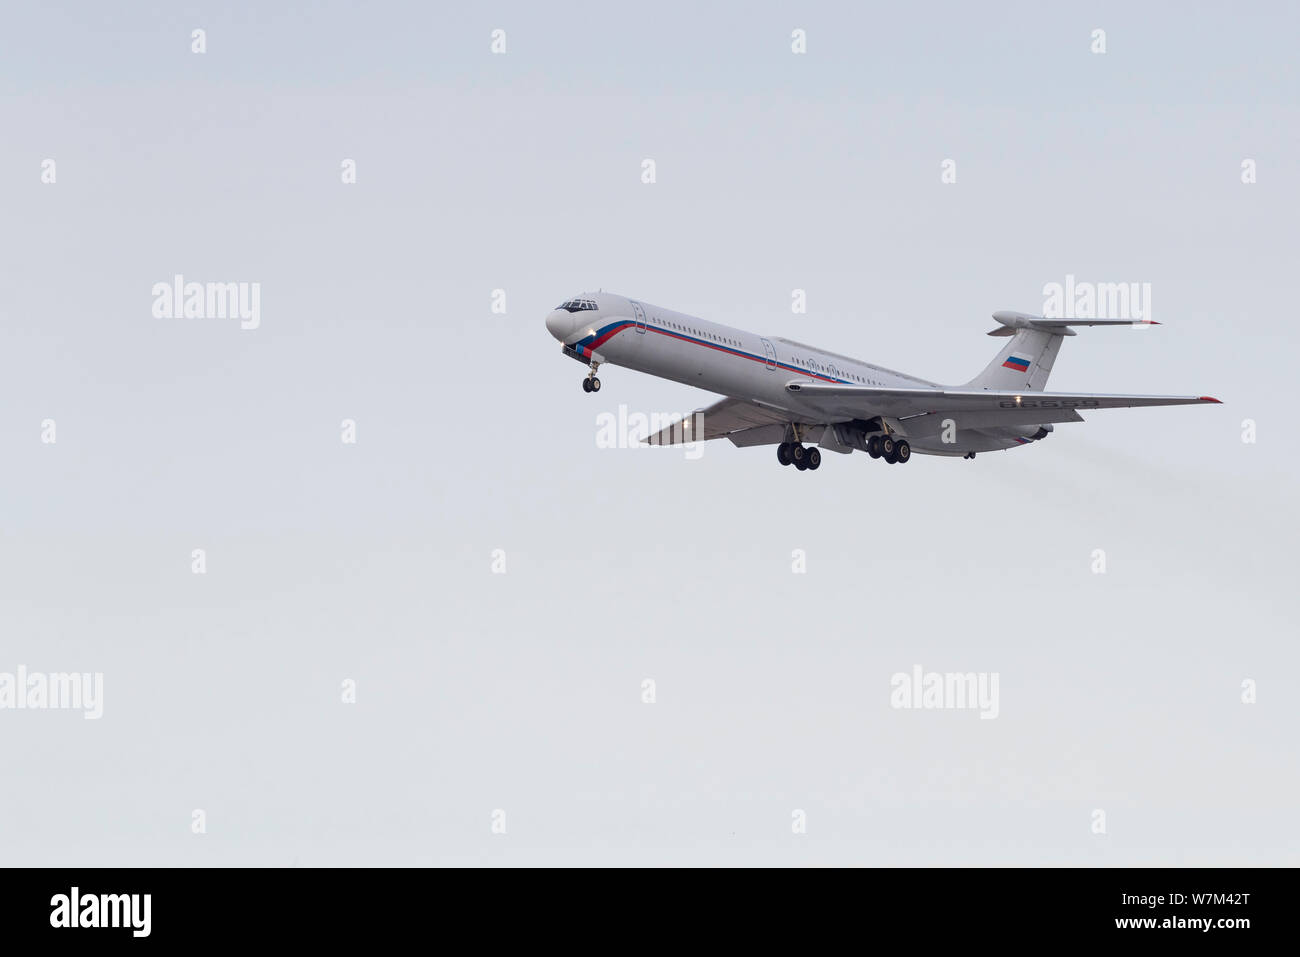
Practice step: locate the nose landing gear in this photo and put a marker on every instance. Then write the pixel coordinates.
(591, 383)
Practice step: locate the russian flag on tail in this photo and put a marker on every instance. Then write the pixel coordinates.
(1014, 362)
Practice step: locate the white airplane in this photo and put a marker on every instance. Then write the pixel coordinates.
(803, 399)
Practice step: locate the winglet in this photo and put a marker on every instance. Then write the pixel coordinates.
(1210, 398)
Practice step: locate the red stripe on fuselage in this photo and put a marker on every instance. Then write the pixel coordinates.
(611, 333)
(744, 355)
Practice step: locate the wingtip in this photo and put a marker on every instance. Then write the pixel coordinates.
(1210, 398)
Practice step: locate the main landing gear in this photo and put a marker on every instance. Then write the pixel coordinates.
(801, 457)
(890, 449)
(885, 446)
(591, 383)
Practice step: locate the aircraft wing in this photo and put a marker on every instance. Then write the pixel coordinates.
(985, 405)
(733, 418)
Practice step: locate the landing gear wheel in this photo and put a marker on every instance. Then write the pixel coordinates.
(595, 384)
(814, 459)
(799, 455)
(783, 453)
(873, 446)
(586, 385)
(902, 451)
(887, 447)
(801, 464)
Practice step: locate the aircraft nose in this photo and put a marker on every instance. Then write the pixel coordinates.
(560, 323)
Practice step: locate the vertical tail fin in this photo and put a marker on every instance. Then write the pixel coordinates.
(1023, 363)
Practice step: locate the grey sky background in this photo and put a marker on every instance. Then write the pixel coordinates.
(521, 691)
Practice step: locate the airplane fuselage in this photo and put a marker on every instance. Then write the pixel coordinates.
(735, 362)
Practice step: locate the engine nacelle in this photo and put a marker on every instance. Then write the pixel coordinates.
(1030, 433)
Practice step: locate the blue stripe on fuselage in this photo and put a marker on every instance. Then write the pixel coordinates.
(584, 344)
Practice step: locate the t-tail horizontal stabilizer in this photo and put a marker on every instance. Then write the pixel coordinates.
(1011, 321)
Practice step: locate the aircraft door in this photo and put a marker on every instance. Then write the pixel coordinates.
(770, 354)
(639, 315)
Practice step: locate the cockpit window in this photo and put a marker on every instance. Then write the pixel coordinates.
(577, 305)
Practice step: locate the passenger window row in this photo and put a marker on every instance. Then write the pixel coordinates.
(692, 331)
(832, 371)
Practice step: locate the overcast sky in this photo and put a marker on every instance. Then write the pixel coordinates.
(373, 562)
